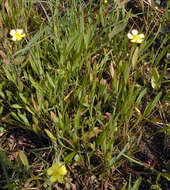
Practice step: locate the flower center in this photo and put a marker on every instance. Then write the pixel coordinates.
(136, 37)
(17, 35)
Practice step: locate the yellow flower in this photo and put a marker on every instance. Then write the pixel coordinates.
(135, 37)
(106, 1)
(57, 171)
(17, 34)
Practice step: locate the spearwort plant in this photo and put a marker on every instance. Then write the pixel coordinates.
(75, 87)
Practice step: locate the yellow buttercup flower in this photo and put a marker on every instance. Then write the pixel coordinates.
(57, 171)
(17, 34)
(135, 37)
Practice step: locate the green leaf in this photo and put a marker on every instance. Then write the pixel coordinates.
(1, 91)
(24, 99)
(40, 99)
(102, 137)
(9, 75)
(161, 54)
(69, 157)
(4, 159)
(151, 105)
(77, 120)
(51, 136)
(50, 80)
(138, 101)
(101, 16)
(16, 106)
(148, 43)
(88, 36)
(24, 159)
(5, 164)
(135, 57)
(155, 82)
(24, 119)
(114, 159)
(137, 184)
(1, 109)
(124, 186)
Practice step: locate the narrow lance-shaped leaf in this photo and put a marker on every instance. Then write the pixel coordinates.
(155, 83)
(24, 159)
(135, 57)
(137, 184)
(151, 105)
(51, 136)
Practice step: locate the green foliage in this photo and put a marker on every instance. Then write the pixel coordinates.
(58, 84)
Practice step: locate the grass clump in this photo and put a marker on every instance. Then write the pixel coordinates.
(76, 90)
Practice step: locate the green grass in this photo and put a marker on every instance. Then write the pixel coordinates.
(76, 80)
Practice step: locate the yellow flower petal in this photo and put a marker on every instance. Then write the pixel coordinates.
(139, 41)
(134, 41)
(17, 34)
(50, 171)
(23, 35)
(62, 170)
(59, 178)
(18, 38)
(57, 171)
(53, 179)
(135, 37)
